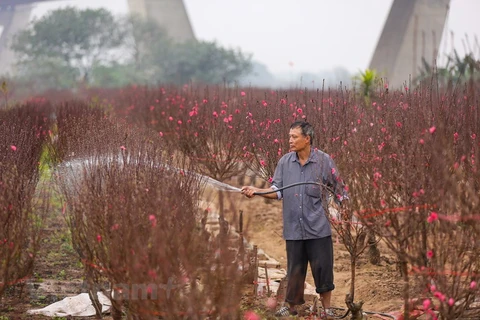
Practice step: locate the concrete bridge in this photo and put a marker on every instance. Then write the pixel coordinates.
(413, 30)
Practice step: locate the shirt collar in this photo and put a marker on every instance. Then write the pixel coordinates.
(312, 158)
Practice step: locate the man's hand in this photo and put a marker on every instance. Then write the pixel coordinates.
(249, 191)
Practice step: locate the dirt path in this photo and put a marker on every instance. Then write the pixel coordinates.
(378, 286)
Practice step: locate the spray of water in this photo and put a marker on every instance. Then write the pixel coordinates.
(219, 185)
(74, 168)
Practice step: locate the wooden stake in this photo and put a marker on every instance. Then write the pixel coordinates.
(268, 282)
(242, 247)
(255, 271)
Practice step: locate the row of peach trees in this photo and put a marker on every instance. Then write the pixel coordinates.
(123, 160)
(133, 210)
(23, 208)
(409, 157)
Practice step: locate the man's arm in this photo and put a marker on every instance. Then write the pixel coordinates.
(277, 182)
(249, 191)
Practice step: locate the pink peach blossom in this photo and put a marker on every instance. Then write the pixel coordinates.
(455, 136)
(426, 304)
(440, 296)
(432, 217)
(153, 220)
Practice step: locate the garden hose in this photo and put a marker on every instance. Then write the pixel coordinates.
(293, 185)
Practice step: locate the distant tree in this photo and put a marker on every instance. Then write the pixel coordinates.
(46, 73)
(140, 35)
(456, 70)
(259, 76)
(146, 42)
(102, 50)
(153, 57)
(308, 79)
(340, 74)
(78, 38)
(200, 61)
(117, 75)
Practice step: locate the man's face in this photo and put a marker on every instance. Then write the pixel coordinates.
(297, 140)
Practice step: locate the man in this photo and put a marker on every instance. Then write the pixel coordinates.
(306, 228)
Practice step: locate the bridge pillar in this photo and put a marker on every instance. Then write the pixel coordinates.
(12, 20)
(169, 14)
(413, 31)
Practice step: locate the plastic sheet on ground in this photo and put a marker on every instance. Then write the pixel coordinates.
(76, 306)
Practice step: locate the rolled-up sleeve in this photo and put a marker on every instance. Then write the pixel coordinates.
(279, 193)
(277, 182)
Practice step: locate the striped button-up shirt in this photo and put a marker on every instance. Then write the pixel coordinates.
(305, 206)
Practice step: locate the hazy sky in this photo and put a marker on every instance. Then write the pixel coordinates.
(313, 34)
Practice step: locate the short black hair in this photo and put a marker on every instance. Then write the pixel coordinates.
(307, 129)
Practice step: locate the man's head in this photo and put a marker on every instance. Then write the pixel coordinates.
(300, 136)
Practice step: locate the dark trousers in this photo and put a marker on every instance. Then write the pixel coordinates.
(319, 252)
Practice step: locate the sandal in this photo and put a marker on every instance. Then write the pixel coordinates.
(285, 312)
(327, 314)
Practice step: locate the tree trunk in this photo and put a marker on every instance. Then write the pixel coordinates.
(406, 288)
(373, 252)
(353, 265)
